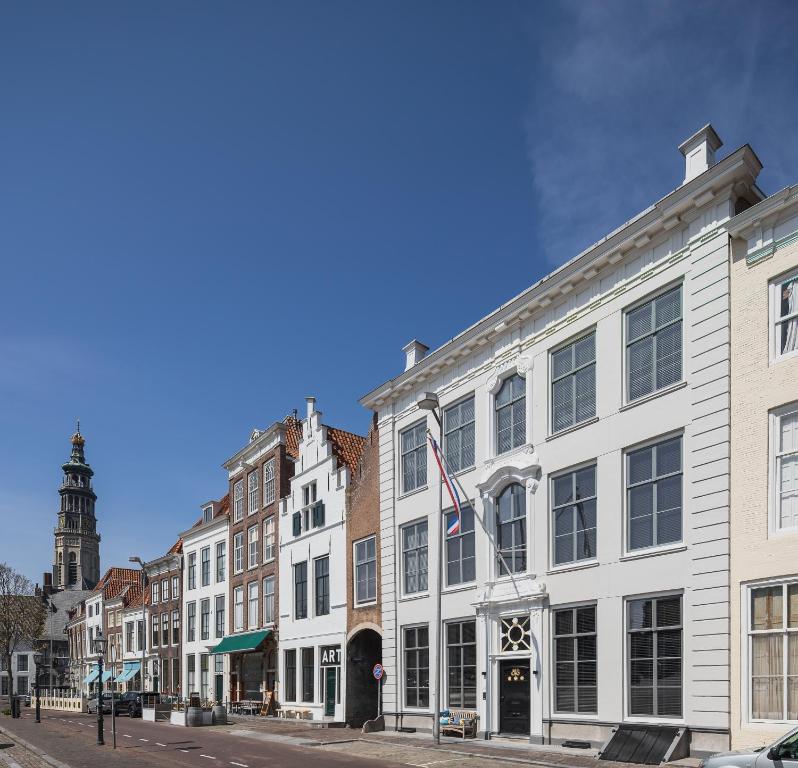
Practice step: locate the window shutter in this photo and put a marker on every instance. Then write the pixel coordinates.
(669, 355)
(562, 404)
(641, 368)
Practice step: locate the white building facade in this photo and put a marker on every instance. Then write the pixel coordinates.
(312, 579)
(204, 607)
(587, 423)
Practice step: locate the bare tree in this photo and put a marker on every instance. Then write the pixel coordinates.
(21, 616)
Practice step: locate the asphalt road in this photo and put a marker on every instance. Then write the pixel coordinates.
(72, 739)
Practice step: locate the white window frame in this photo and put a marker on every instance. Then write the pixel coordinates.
(269, 483)
(156, 585)
(207, 513)
(409, 428)
(271, 579)
(238, 609)
(672, 546)
(356, 565)
(522, 367)
(577, 563)
(402, 569)
(238, 552)
(746, 683)
(403, 678)
(447, 409)
(252, 546)
(269, 535)
(592, 331)
(238, 500)
(253, 604)
(625, 350)
(165, 590)
(774, 320)
(253, 486)
(774, 456)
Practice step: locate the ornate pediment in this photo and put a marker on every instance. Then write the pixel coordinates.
(519, 466)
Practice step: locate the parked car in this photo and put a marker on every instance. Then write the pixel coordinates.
(785, 748)
(130, 703)
(107, 696)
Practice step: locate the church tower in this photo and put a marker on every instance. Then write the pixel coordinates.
(77, 543)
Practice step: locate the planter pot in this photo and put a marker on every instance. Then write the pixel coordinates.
(148, 714)
(219, 715)
(193, 716)
(177, 718)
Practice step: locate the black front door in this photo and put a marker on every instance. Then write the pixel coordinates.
(514, 693)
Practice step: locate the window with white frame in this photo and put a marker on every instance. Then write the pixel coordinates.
(460, 547)
(175, 587)
(238, 552)
(461, 664)
(252, 604)
(175, 628)
(366, 570)
(191, 669)
(221, 561)
(654, 495)
(238, 609)
(219, 614)
(268, 600)
(416, 653)
(207, 514)
(252, 540)
(654, 654)
(414, 557)
(191, 622)
(205, 566)
(654, 344)
(165, 590)
(238, 501)
(773, 652)
(510, 407)
(784, 466)
(321, 586)
(511, 530)
(155, 591)
(192, 570)
(301, 590)
(268, 539)
(574, 516)
(252, 493)
(268, 483)
(575, 674)
(458, 435)
(413, 450)
(573, 383)
(784, 303)
(205, 619)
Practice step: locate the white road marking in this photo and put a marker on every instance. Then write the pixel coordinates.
(144, 739)
(158, 743)
(127, 737)
(184, 750)
(241, 765)
(210, 757)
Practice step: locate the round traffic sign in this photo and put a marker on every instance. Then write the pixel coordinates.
(378, 671)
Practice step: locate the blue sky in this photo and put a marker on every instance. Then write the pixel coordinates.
(210, 210)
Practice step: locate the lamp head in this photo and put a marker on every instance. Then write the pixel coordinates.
(428, 401)
(100, 644)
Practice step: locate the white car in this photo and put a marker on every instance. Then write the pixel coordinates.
(781, 754)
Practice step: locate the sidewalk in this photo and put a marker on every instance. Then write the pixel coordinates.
(418, 749)
(13, 754)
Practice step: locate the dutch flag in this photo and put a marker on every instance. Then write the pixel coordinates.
(454, 526)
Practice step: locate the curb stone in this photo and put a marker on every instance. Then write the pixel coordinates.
(34, 749)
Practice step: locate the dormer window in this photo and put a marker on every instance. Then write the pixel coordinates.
(207, 514)
(511, 414)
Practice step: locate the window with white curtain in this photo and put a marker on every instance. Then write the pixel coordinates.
(252, 602)
(773, 652)
(654, 344)
(784, 303)
(784, 466)
(238, 609)
(268, 539)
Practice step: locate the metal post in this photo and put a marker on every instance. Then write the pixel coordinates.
(100, 739)
(440, 527)
(113, 697)
(38, 697)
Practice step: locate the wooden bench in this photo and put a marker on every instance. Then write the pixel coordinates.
(461, 722)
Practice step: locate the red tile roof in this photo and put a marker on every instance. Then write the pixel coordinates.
(222, 510)
(176, 548)
(133, 596)
(347, 446)
(116, 579)
(293, 434)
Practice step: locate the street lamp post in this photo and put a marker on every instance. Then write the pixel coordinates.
(37, 660)
(429, 402)
(143, 621)
(99, 649)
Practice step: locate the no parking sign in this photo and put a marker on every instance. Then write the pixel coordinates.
(378, 671)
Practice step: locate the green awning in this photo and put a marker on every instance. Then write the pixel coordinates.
(245, 641)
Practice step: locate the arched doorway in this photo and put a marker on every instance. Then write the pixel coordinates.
(363, 651)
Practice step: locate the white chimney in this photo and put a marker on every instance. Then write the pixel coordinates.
(414, 353)
(699, 152)
(311, 405)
